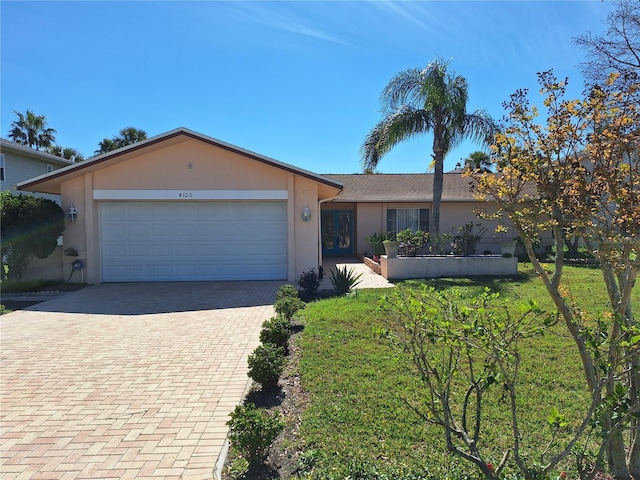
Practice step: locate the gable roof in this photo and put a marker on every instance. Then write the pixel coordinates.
(50, 183)
(9, 146)
(401, 187)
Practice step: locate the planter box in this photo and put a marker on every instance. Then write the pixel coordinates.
(401, 268)
(372, 265)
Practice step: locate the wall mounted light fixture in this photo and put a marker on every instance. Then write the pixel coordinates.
(306, 214)
(73, 214)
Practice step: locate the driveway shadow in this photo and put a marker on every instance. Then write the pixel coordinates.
(162, 297)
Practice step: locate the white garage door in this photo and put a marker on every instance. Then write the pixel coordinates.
(163, 241)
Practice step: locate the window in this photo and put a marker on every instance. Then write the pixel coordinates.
(1, 167)
(414, 219)
(49, 168)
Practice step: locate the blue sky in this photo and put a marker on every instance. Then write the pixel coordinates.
(298, 81)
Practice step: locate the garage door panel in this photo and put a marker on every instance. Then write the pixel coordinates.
(161, 241)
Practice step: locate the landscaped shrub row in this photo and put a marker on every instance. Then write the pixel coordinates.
(267, 360)
(252, 430)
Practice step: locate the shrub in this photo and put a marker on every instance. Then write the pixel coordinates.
(309, 281)
(286, 291)
(376, 241)
(252, 431)
(29, 228)
(288, 306)
(438, 243)
(465, 241)
(276, 331)
(412, 243)
(266, 364)
(344, 280)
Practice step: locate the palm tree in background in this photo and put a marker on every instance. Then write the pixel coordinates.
(478, 162)
(126, 136)
(67, 153)
(31, 130)
(428, 100)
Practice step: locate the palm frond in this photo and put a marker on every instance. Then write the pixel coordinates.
(369, 149)
(480, 127)
(403, 89)
(405, 123)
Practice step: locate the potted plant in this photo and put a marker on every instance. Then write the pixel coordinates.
(508, 248)
(391, 248)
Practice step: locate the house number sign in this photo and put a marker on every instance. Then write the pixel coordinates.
(185, 195)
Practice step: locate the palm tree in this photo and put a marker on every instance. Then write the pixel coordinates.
(131, 135)
(478, 162)
(31, 129)
(418, 101)
(125, 137)
(67, 153)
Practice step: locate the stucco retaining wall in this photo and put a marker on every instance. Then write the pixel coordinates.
(400, 268)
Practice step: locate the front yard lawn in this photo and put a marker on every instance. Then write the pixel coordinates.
(358, 425)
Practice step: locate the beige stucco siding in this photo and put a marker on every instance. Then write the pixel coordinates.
(190, 165)
(306, 233)
(369, 220)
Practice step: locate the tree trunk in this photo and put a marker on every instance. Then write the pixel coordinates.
(633, 458)
(438, 179)
(616, 457)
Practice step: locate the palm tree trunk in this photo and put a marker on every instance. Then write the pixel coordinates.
(438, 180)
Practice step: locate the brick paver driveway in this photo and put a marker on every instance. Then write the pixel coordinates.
(126, 380)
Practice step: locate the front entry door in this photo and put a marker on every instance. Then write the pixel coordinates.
(337, 232)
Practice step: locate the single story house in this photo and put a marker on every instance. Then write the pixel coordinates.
(185, 206)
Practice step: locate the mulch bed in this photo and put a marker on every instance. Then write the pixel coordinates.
(290, 400)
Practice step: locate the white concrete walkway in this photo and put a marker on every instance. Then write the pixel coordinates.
(369, 278)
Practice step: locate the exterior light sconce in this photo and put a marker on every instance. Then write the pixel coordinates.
(306, 214)
(73, 214)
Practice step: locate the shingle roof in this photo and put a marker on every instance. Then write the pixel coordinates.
(412, 187)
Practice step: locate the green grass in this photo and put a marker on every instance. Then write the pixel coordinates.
(19, 286)
(358, 423)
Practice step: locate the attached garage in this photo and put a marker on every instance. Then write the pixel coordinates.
(182, 206)
(161, 241)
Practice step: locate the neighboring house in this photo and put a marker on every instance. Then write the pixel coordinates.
(375, 203)
(185, 206)
(17, 164)
(20, 162)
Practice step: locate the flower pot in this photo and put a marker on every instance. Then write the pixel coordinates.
(508, 248)
(391, 248)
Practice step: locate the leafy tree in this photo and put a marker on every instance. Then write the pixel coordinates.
(618, 51)
(479, 161)
(31, 129)
(29, 227)
(580, 175)
(418, 101)
(126, 136)
(466, 352)
(67, 153)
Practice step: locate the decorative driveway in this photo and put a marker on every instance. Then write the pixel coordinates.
(126, 380)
